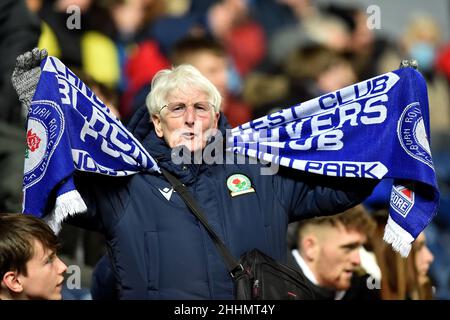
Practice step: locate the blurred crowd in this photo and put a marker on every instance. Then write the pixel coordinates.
(262, 55)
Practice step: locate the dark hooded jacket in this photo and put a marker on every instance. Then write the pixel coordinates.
(159, 250)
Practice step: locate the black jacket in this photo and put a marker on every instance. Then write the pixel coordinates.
(359, 290)
(157, 247)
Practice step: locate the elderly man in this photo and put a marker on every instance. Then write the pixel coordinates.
(157, 248)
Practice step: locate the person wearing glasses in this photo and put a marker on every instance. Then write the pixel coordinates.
(189, 114)
(156, 247)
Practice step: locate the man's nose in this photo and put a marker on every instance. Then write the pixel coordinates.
(189, 115)
(355, 257)
(61, 266)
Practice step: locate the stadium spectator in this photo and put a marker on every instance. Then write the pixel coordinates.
(29, 266)
(328, 254)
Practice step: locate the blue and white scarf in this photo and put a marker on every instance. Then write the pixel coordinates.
(70, 129)
(377, 128)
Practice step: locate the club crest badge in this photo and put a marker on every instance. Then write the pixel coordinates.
(402, 199)
(44, 131)
(412, 134)
(239, 184)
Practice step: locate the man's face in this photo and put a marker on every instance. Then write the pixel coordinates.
(192, 128)
(44, 279)
(337, 256)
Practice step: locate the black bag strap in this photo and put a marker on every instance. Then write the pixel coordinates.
(233, 266)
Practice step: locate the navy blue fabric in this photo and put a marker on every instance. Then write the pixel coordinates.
(103, 285)
(157, 247)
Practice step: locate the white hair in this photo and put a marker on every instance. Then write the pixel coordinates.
(183, 76)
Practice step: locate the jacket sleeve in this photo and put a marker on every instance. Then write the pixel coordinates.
(305, 195)
(90, 219)
(105, 198)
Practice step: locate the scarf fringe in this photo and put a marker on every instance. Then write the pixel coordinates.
(67, 204)
(398, 238)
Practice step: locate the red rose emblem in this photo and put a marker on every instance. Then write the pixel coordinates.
(236, 181)
(33, 140)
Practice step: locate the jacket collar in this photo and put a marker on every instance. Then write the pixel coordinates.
(322, 293)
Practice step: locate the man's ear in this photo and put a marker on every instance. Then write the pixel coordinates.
(310, 247)
(158, 126)
(216, 119)
(12, 282)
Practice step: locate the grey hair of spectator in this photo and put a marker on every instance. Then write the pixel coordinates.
(180, 77)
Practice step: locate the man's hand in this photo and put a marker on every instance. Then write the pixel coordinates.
(26, 74)
(409, 63)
